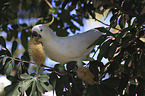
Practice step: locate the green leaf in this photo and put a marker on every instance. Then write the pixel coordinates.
(1, 62)
(25, 76)
(23, 25)
(43, 78)
(39, 69)
(71, 65)
(113, 21)
(33, 88)
(52, 79)
(12, 78)
(25, 84)
(104, 30)
(59, 68)
(5, 51)
(39, 87)
(24, 40)
(122, 22)
(95, 90)
(16, 92)
(14, 47)
(112, 50)
(2, 41)
(8, 53)
(123, 33)
(9, 64)
(104, 48)
(45, 86)
(111, 82)
(15, 26)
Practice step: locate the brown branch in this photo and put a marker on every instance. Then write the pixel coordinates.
(48, 3)
(47, 24)
(42, 65)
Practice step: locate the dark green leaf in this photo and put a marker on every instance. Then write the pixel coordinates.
(104, 48)
(15, 26)
(59, 68)
(24, 40)
(1, 62)
(12, 78)
(111, 82)
(7, 52)
(123, 33)
(104, 30)
(122, 22)
(113, 21)
(23, 25)
(94, 69)
(59, 87)
(95, 90)
(2, 42)
(112, 50)
(52, 79)
(64, 4)
(71, 65)
(14, 47)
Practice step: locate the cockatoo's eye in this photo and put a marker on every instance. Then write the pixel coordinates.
(41, 30)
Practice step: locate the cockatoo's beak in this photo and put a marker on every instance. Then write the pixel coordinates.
(36, 38)
(35, 34)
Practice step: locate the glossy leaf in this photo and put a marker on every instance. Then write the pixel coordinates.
(24, 40)
(104, 48)
(2, 42)
(14, 47)
(112, 50)
(104, 30)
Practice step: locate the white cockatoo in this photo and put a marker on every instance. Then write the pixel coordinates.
(65, 49)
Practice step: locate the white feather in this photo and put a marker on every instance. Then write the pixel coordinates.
(65, 49)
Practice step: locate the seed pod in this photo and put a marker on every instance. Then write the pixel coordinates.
(36, 51)
(85, 75)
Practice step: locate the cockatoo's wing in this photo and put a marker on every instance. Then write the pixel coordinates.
(77, 45)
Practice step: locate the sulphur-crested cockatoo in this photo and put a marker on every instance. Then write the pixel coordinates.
(65, 49)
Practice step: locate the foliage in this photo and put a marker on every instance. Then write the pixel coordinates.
(124, 49)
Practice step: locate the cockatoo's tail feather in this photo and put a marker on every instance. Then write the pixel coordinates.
(65, 49)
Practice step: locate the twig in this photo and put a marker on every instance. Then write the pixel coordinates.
(27, 62)
(47, 24)
(48, 3)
